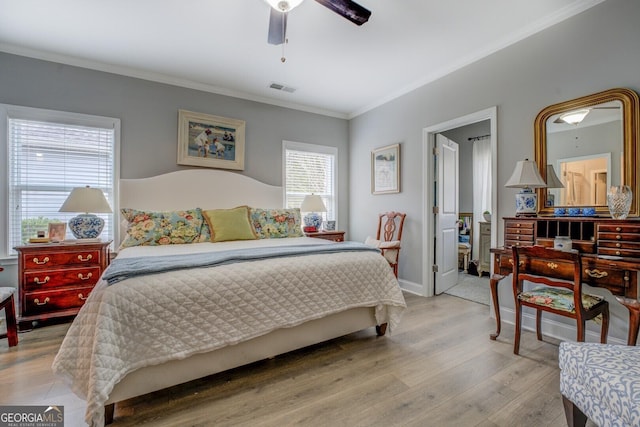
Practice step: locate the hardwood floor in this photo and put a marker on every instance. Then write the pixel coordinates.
(439, 368)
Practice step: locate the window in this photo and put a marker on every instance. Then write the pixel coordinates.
(49, 154)
(310, 168)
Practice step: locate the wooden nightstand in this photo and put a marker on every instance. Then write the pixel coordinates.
(336, 236)
(55, 279)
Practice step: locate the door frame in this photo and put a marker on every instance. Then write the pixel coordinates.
(429, 178)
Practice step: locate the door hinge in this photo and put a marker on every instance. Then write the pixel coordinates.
(435, 268)
(436, 151)
(436, 210)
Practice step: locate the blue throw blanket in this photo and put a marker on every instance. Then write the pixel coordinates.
(121, 269)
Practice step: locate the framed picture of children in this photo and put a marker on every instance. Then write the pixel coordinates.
(57, 231)
(210, 141)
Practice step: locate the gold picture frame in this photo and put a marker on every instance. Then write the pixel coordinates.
(385, 169)
(210, 141)
(57, 231)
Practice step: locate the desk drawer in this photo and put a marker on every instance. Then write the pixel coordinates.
(619, 228)
(601, 274)
(624, 252)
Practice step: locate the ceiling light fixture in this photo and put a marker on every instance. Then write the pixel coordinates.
(574, 117)
(283, 5)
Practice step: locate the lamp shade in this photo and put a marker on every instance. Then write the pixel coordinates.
(552, 179)
(313, 203)
(526, 175)
(86, 200)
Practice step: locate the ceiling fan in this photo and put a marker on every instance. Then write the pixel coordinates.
(280, 8)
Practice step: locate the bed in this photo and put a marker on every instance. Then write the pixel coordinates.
(165, 315)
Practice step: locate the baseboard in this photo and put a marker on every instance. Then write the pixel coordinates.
(552, 328)
(411, 287)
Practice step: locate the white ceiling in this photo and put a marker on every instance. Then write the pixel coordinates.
(336, 67)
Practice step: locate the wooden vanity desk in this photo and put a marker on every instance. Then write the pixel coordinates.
(609, 248)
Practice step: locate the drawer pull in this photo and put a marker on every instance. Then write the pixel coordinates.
(44, 261)
(618, 253)
(618, 245)
(88, 257)
(595, 273)
(37, 280)
(87, 277)
(552, 265)
(518, 231)
(520, 263)
(618, 229)
(37, 301)
(618, 237)
(82, 297)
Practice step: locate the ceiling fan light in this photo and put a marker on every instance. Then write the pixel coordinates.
(574, 117)
(283, 5)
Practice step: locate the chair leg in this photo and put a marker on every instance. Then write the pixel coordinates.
(516, 339)
(581, 328)
(12, 327)
(539, 324)
(575, 417)
(604, 328)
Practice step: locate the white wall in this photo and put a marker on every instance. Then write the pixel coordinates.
(596, 50)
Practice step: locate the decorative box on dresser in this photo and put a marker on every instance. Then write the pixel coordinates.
(55, 279)
(609, 248)
(336, 236)
(484, 262)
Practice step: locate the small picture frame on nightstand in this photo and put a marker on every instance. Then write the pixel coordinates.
(57, 231)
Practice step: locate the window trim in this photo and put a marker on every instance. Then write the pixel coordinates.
(311, 148)
(8, 111)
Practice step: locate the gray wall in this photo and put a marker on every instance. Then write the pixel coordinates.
(596, 50)
(149, 121)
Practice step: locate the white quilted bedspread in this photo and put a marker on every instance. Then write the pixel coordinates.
(151, 319)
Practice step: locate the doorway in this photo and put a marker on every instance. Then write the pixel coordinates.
(430, 185)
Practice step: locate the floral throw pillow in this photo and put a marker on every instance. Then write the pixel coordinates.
(149, 228)
(276, 223)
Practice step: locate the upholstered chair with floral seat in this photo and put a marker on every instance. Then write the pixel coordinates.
(560, 275)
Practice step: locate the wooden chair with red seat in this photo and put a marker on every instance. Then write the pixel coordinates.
(389, 235)
(7, 303)
(560, 274)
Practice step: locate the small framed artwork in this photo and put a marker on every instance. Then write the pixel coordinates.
(210, 141)
(57, 231)
(385, 169)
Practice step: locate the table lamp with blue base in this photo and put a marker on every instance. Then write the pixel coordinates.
(88, 200)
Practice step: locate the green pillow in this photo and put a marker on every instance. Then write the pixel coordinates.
(229, 224)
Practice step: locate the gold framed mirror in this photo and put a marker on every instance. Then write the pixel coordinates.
(586, 145)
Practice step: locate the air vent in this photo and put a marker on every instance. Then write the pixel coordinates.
(278, 86)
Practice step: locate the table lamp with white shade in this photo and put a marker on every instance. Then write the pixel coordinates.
(552, 182)
(526, 177)
(313, 204)
(86, 201)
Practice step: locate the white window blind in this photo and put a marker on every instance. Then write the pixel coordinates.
(46, 160)
(310, 169)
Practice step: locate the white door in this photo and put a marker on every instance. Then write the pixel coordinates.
(446, 216)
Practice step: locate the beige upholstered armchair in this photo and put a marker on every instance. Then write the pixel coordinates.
(388, 237)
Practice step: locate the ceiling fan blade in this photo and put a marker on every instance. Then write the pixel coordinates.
(348, 9)
(277, 27)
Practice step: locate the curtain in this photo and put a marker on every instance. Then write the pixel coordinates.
(481, 188)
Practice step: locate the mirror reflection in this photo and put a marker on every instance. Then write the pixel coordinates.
(586, 151)
(584, 146)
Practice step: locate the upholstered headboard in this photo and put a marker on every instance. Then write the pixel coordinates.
(190, 188)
